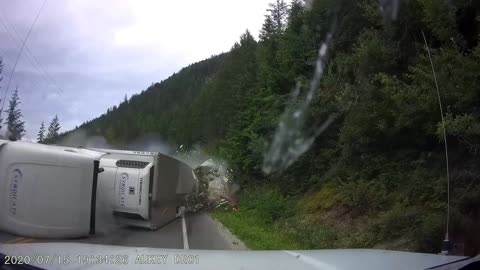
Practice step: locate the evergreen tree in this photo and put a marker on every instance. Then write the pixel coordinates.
(15, 125)
(53, 129)
(1, 78)
(41, 133)
(279, 13)
(268, 29)
(1, 119)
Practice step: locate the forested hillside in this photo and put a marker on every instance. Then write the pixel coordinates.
(377, 176)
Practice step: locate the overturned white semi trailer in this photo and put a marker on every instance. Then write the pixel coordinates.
(60, 192)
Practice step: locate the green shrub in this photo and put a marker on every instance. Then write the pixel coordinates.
(356, 239)
(362, 197)
(396, 222)
(430, 232)
(424, 187)
(268, 203)
(315, 236)
(322, 200)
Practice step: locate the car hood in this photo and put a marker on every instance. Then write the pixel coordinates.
(339, 259)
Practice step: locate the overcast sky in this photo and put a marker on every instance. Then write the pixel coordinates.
(96, 51)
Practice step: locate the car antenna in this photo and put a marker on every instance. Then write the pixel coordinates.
(446, 242)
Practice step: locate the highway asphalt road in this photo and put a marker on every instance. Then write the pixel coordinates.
(202, 233)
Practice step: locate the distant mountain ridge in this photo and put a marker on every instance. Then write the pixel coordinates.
(154, 109)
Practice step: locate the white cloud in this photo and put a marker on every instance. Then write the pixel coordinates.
(191, 28)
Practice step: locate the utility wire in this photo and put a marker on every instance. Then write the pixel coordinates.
(43, 71)
(6, 56)
(18, 44)
(20, 53)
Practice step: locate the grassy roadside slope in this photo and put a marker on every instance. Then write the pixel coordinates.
(267, 220)
(256, 234)
(254, 223)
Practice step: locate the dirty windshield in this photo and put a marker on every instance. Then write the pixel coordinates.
(240, 125)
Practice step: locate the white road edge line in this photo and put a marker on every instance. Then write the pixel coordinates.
(184, 231)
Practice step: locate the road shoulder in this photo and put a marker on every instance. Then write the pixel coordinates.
(235, 243)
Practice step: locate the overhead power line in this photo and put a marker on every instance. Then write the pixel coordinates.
(19, 54)
(19, 46)
(4, 56)
(49, 78)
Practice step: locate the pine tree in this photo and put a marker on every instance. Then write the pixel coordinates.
(41, 133)
(15, 125)
(268, 29)
(279, 13)
(53, 129)
(1, 120)
(1, 78)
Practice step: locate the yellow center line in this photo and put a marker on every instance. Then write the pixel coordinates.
(27, 240)
(13, 241)
(19, 240)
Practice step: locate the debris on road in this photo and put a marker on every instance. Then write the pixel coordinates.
(213, 188)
